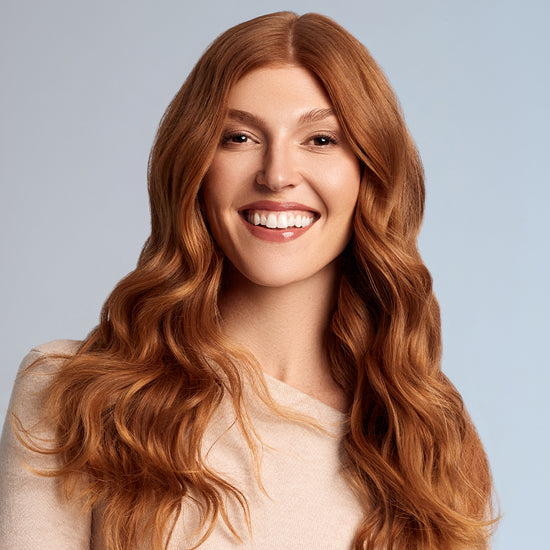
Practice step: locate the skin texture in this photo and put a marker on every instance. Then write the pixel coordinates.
(279, 295)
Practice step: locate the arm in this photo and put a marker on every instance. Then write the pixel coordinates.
(33, 511)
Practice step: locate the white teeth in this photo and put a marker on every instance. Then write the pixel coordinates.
(279, 220)
(282, 221)
(271, 221)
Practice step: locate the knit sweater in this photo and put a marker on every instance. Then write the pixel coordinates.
(306, 504)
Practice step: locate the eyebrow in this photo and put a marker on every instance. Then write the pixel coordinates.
(315, 115)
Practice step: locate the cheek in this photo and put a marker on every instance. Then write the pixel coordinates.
(208, 200)
(212, 201)
(215, 189)
(210, 184)
(224, 181)
(345, 188)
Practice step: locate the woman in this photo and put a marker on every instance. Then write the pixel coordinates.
(269, 374)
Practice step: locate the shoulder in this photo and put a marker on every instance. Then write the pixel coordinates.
(27, 404)
(49, 354)
(56, 348)
(34, 513)
(36, 371)
(26, 417)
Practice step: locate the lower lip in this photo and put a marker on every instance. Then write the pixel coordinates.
(276, 235)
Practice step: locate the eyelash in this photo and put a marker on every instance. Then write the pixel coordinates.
(330, 140)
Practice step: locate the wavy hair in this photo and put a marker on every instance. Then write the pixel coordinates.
(132, 405)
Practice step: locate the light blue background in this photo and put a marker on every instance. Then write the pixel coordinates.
(84, 84)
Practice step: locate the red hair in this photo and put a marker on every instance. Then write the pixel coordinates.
(132, 405)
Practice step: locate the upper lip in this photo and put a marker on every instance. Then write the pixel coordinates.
(277, 206)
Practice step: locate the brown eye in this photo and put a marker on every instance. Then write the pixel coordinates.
(323, 140)
(235, 138)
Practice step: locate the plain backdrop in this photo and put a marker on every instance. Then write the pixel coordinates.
(84, 84)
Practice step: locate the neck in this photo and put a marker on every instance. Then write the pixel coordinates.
(285, 329)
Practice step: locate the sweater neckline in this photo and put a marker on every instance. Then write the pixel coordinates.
(292, 397)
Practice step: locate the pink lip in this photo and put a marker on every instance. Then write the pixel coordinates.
(275, 235)
(276, 206)
(279, 235)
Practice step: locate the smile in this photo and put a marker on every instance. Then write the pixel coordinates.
(279, 220)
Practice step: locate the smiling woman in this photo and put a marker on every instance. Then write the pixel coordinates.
(269, 374)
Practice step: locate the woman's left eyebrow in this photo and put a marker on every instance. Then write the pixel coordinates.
(315, 115)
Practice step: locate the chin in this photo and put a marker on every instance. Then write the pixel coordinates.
(280, 276)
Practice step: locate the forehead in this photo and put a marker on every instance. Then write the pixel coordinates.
(278, 88)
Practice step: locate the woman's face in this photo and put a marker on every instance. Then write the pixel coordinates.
(281, 190)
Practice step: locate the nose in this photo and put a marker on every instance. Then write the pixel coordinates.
(280, 168)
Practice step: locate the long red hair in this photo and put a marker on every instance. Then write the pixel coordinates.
(132, 405)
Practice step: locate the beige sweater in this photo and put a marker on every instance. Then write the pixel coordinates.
(308, 505)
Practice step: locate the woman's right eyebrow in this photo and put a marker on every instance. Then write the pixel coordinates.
(245, 116)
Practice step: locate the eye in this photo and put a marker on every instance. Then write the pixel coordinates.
(322, 140)
(236, 137)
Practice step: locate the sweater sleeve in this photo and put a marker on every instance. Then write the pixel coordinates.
(33, 511)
